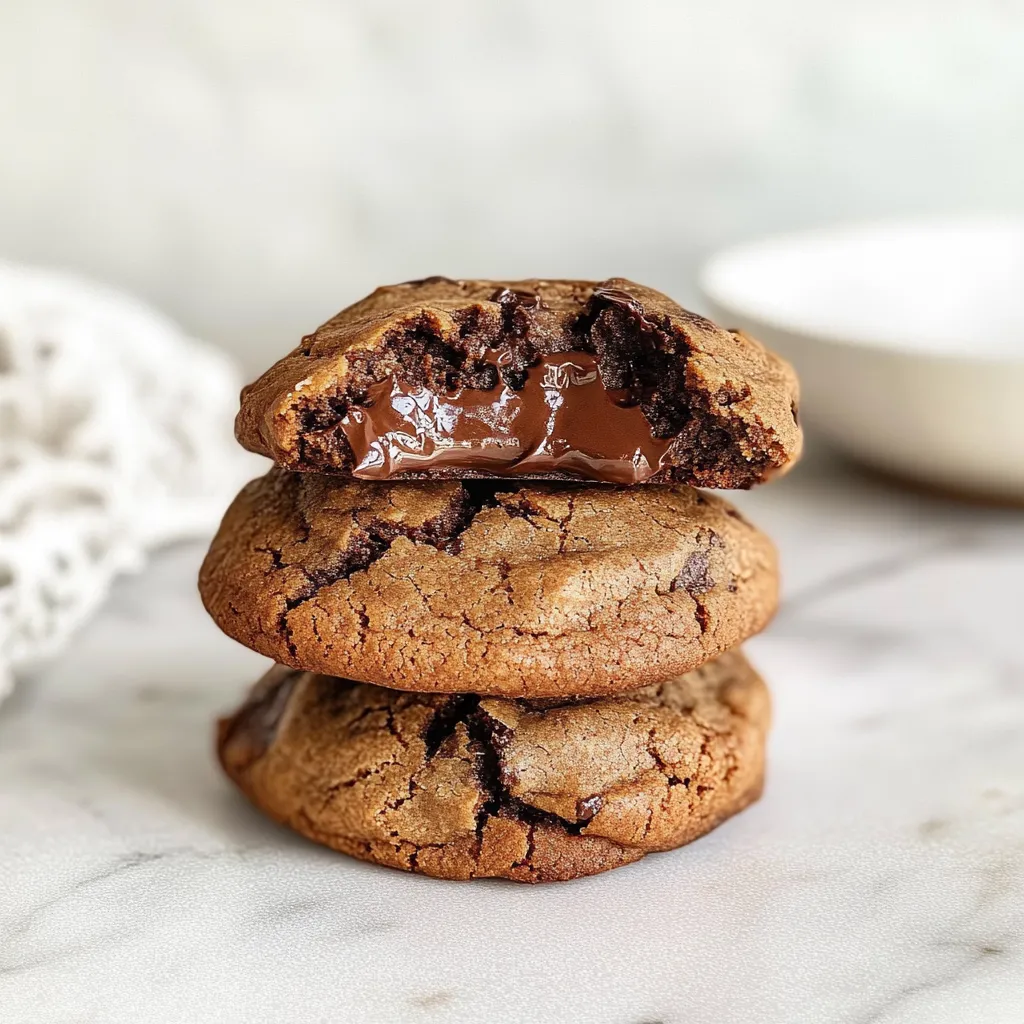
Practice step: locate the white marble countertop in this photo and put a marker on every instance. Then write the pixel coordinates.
(880, 879)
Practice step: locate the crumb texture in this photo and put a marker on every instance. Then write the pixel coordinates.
(487, 587)
(463, 786)
(727, 404)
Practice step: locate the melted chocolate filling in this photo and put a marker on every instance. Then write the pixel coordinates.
(563, 419)
(527, 392)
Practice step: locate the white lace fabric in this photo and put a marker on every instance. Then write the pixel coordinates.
(115, 437)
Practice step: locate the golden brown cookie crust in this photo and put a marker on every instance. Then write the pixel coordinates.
(466, 787)
(735, 422)
(539, 590)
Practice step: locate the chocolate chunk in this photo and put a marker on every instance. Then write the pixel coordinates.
(588, 807)
(695, 576)
(254, 727)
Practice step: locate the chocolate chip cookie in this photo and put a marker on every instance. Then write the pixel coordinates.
(471, 787)
(499, 587)
(609, 381)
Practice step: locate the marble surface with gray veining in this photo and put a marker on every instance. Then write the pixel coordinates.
(881, 878)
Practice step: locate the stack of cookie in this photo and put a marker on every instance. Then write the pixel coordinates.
(505, 622)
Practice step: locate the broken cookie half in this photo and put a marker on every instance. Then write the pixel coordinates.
(609, 381)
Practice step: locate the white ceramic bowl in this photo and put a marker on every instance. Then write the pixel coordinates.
(908, 338)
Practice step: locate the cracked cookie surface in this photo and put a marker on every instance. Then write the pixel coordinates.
(535, 590)
(463, 786)
(461, 375)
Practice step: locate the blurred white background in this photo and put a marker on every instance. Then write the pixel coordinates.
(252, 165)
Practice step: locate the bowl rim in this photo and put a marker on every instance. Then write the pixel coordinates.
(710, 269)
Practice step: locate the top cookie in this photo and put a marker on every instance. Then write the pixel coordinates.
(562, 380)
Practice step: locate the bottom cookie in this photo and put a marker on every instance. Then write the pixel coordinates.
(460, 786)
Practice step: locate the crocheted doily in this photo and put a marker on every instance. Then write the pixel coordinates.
(115, 436)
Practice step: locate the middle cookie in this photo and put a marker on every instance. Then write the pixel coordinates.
(541, 590)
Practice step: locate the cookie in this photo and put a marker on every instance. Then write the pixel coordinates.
(470, 787)
(525, 590)
(611, 382)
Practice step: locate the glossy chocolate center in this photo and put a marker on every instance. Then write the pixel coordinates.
(563, 420)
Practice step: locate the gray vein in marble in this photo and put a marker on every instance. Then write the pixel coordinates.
(877, 571)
